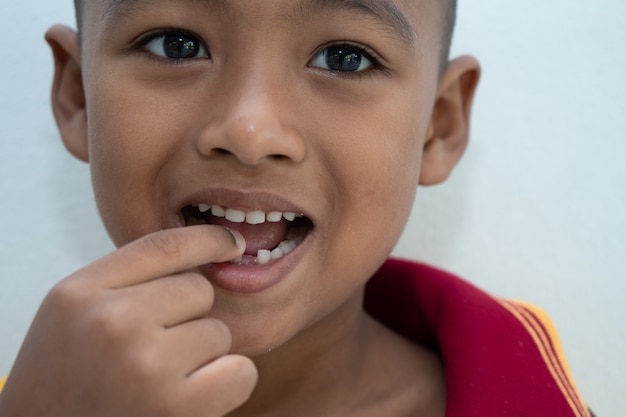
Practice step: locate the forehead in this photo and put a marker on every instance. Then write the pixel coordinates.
(392, 16)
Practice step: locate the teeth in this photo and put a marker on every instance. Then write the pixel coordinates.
(264, 256)
(235, 216)
(218, 211)
(274, 216)
(251, 217)
(287, 246)
(255, 217)
(277, 253)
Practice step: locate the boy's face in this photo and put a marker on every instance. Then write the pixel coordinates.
(316, 107)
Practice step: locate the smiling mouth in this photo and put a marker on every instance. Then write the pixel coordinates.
(269, 235)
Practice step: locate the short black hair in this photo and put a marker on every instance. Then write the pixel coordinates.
(449, 21)
(78, 8)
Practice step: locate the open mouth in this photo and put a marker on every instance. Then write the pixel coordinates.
(269, 235)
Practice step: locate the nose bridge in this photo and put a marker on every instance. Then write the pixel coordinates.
(251, 119)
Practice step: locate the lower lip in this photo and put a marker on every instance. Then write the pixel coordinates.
(257, 278)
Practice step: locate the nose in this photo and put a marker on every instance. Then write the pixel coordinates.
(253, 125)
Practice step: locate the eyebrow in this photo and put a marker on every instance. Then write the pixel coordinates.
(383, 11)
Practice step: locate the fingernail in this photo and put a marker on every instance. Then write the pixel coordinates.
(238, 237)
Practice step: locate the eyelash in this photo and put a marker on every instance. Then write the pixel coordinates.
(373, 57)
(153, 35)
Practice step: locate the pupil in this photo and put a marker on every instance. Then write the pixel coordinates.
(339, 59)
(180, 46)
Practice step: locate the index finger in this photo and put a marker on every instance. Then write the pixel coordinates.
(165, 253)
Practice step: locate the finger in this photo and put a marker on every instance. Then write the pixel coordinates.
(230, 381)
(164, 253)
(172, 300)
(193, 345)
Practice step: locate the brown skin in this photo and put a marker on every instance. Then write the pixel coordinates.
(255, 117)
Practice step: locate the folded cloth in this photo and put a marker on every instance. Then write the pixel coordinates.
(502, 358)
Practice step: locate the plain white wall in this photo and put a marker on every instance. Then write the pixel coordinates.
(535, 210)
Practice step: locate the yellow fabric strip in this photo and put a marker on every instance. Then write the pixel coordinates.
(2, 382)
(543, 332)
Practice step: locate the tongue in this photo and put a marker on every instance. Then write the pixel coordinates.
(259, 236)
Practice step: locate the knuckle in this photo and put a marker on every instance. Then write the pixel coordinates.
(248, 373)
(199, 283)
(166, 245)
(233, 380)
(221, 329)
(66, 295)
(243, 371)
(144, 364)
(111, 321)
(220, 335)
(201, 287)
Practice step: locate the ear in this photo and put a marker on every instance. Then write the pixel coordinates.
(448, 131)
(68, 94)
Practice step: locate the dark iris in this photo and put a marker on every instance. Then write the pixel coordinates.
(181, 46)
(342, 59)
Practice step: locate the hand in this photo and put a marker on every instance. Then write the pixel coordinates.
(129, 335)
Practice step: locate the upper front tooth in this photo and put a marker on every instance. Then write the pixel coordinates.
(255, 217)
(274, 216)
(289, 216)
(251, 217)
(235, 216)
(218, 211)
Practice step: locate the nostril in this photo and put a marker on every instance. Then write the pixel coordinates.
(221, 151)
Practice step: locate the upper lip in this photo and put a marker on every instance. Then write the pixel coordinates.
(243, 201)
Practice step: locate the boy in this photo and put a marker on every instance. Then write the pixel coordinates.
(256, 161)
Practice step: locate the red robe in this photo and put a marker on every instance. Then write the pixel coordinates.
(501, 358)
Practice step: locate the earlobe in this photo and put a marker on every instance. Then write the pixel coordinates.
(448, 132)
(68, 94)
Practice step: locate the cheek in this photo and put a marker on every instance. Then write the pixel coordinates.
(385, 177)
(375, 162)
(378, 157)
(128, 149)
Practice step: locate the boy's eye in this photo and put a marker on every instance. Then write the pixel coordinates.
(176, 46)
(342, 58)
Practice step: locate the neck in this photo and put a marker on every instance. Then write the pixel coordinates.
(317, 370)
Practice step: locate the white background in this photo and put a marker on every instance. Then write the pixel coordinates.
(536, 210)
